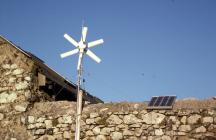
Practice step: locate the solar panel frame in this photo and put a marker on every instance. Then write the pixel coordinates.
(161, 102)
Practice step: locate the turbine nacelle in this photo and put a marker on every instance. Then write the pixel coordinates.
(82, 46)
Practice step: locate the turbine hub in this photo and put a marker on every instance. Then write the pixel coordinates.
(81, 45)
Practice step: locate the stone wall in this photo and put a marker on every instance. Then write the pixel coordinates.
(112, 121)
(18, 76)
(15, 75)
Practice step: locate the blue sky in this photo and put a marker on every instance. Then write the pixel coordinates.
(152, 47)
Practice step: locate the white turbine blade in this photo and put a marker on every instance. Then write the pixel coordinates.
(93, 56)
(63, 55)
(71, 40)
(79, 61)
(84, 33)
(95, 43)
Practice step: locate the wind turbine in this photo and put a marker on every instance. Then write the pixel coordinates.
(82, 47)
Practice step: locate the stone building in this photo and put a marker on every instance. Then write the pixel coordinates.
(25, 77)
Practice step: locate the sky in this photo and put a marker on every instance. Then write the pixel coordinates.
(151, 47)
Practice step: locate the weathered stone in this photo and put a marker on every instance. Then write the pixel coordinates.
(67, 135)
(211, 112)
(116, 136)
(153, 118)
(122, 126)
(138, 132)
(64, 129)
(133, 138)
(58, 136)
(145, 126)
(159, 132)
(1, 116)
(182, 112)
(11, 79)
(136, 125)
(31, 126)
(96, 130)
(197, 136)
(106, 131)
(62, 125)
(2, 89)
(175, 127)
(127, 132)
(6, 66)
(46, 137)
(28, 78)
(94, 115)
(165, 137)
(180, 133)
(114, 119)
(184, 120)
(207, 120)
(194, 119)
(135, 112)
(131, 119)
(90, 121)
(31, 119)
(89, 133)
(14, 66)
(143, 112)
(200, 129)
(7, 73)
(21, 107)
(170, 133)
(121, 113)
(98, 120)
(55, 130)
(103, 109)
(65, 119)
(7, 98)
(143, 138)
(100, 137)
(185, 128)
(40, 125)
(40, 131)
(41, 120)
(18, 71)
(150, 138)
(48, 124)
(174, 120)
(21, 85)
(13, 139)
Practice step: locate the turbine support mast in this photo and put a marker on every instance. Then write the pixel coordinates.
(82, 48)
(79, 101)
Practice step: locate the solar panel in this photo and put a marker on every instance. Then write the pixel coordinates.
(161, 102)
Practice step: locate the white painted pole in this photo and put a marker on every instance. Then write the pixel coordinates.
(79, 103)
